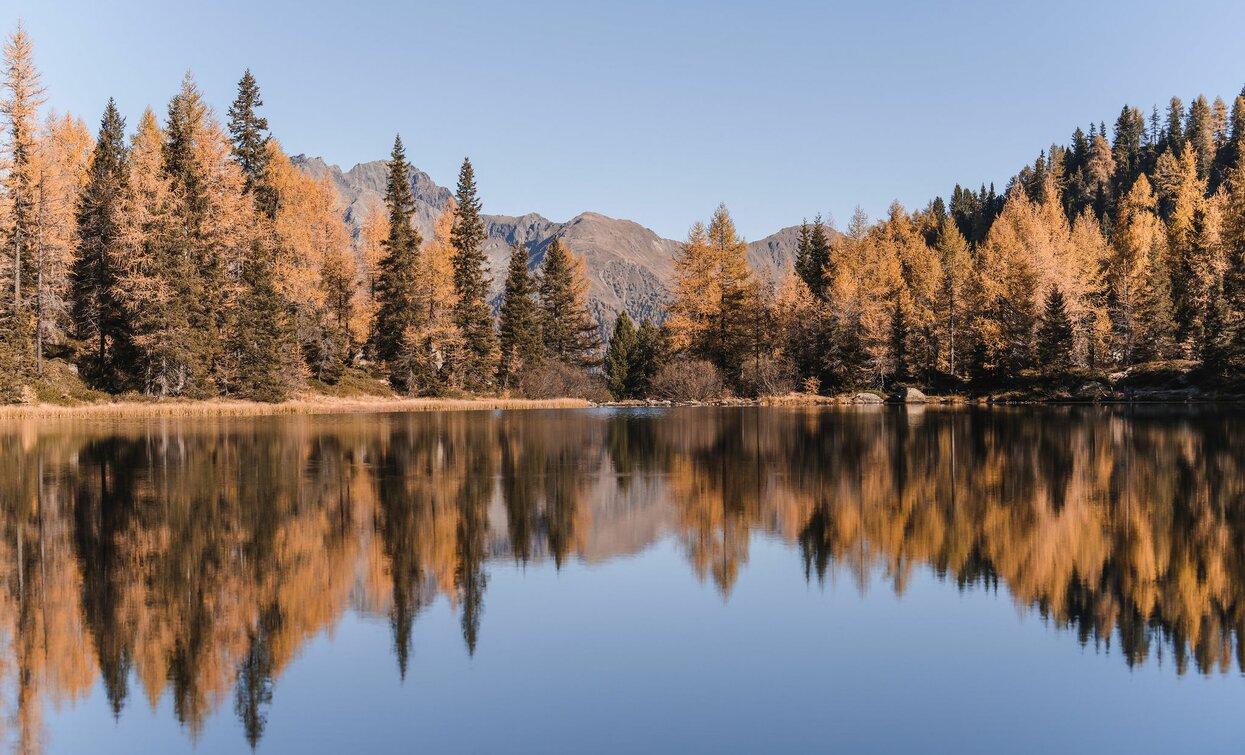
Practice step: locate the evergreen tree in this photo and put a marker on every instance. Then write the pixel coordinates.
(261, 332)
(250, 144)
(620, 357)
(521, 347)
(196, 264)
(98, 314)
(900, 368)
(1175, 125)
(399, 311)
(1055, 333)
(648, 357)
(262, 337)
(1157, 340)
(570, 333)
(813, 256)
(1199, 131)
(471, 286)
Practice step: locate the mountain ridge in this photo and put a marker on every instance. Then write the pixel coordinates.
(628, 265)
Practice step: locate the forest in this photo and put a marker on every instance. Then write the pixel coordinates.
(187, 257)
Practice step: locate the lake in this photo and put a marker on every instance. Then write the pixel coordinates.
(627, 580)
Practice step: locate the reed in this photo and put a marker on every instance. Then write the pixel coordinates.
(318, 405)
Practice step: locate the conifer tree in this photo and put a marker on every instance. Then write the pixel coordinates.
(1137, 245)
(158, 269)
(522, 349)
(900, 332)
(262, 337)
(207, 239)
(400, 313)
(471, 286)
(1055, 333)
(620, 357)
(813, 256)
(261, 333)
(23, 94)
(570, 333)
(98, 313)
(956, 269)
(248, 131)
(1233, 283)
(648, 357)
(1158, 339)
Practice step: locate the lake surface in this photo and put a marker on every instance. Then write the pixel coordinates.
(688, 580)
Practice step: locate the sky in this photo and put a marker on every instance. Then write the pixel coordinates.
(656, 110)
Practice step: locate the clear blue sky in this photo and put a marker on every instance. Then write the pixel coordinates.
(656, 110)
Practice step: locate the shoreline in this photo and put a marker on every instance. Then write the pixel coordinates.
(300, 406)
(327, 405)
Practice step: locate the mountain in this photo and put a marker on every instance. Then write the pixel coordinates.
(627, 264)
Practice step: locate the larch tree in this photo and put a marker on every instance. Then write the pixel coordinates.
(23, 95)
(471, 286)
(63, 158)
(1137, 248)
(522, 349)
(735, 289)
(956, 272)
(315, 273)
(437, 350)
(99, 317)
(1005, 285)
(399, 312)
(569, 331)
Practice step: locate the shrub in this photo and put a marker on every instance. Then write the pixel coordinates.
(688, 380)
(561, 380)
(766, 376)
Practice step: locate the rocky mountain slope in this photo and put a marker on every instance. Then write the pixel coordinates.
(628, 265)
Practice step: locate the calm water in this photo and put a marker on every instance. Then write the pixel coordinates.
(634, 581)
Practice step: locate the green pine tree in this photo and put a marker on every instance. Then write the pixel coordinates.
(1157, 339)
(400, 312)
(569, 330)
(250, 144)
(471, 286)
(99, 317)
(1055, 333)
(262, 336)
(619, 358)
(900, 367)
(648, 358)
(522, 349)
(196, 272)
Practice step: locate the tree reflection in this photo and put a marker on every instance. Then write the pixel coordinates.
(196, 558)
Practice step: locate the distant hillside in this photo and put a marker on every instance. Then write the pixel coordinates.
(628, 265)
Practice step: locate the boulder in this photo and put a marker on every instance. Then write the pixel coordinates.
(914, 396)
(866, 398)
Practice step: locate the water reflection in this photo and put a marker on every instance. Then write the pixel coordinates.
(196, 558)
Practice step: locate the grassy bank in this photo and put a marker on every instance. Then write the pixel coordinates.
(313, 405)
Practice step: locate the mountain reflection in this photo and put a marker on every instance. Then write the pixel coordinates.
(195, 558)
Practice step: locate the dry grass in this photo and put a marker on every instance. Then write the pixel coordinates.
(317, 405)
